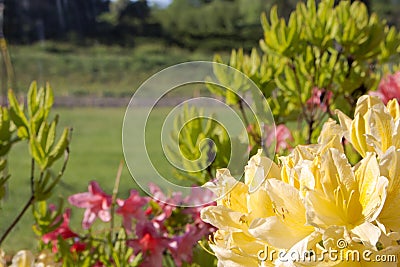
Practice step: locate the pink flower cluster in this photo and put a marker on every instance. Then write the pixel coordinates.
(320, 99)
(283, 138)
(389, 88)
(153, 227)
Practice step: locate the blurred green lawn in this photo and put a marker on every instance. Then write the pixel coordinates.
(96, 148)
(96, 70)
(96, 152)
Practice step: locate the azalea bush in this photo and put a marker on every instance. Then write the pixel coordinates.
(314, 200)
(49, 153)
(322, 58)
(137, 231)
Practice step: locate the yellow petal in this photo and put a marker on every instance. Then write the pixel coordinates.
(357, 135)
(235, 249)
(393, 108)
(278, 234)
(380, 125)
(336, 173)
(23, 258)
(368, 234)
(223, 183)
(233, 258)
(322, 212)
(365, 102)
(345, 123)
(2, 259)
(258, 169)
(287, 202)
(372, 187)
(224, 218)
(331, 135)
(259, 204)
(231, 193)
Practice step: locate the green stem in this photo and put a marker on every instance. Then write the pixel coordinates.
(242, 111)
(17, 219)
(25, 208)
(310, 131)
(114, 199)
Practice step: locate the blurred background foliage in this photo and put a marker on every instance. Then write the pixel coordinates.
(212, 24)
(322, 58)
(85, 47)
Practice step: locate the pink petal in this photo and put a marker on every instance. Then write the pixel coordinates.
(104, 215)
(81, 200)
(88, 219)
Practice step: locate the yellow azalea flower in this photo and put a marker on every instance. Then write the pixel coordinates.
(287, 194)
(290, 219)
(375, 127)
(2, 259)
(236, 209)
(46, 259)
(347, 197)
(23, 258)
(390, 168)
(257, 169)
(235, 249)
(230, 192)
(293, 165)
(315, 198)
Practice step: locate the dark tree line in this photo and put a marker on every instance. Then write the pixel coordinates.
(27, 21)
(212, 24)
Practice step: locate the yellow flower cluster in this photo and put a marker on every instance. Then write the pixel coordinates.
(25, 258)
(314, 208)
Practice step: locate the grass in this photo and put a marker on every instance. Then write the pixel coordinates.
(97, 70)
(96, 151)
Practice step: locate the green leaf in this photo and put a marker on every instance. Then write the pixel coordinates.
(49, 99)
(32, 99)
(42, 134)
(16, 111)
(51, 135)
(22, 133)
(37, 152)
(59, 149)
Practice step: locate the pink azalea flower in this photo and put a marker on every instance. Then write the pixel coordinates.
(199, 197)
(96, 202)
(78, 247)
(389, 88)
(62, 231)
(320, 98)
(181, 247)
(98, 264)
(283, 138)
(167, 204)
(150, 243)
(131, 208)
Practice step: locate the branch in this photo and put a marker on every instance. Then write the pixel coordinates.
(16, 220)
